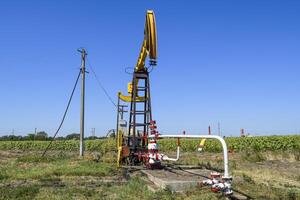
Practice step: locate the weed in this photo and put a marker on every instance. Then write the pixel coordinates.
(253, 156)
(247, 179)
(3, 176)
(132, 190)
(291, 194)
(297, 154)
(233, 164)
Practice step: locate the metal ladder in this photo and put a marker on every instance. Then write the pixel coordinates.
(140, 113)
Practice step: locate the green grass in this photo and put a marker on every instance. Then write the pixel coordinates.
(34, 167)
(267, 192)
(253, 156)
(247, 179)
(19, 192)
(62, 175)
(135, 189)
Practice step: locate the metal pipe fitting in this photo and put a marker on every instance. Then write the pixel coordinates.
(220, 139)
(165, 157)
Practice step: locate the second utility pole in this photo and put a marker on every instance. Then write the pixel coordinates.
(81, 148)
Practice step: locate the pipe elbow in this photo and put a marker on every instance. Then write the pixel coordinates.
(165, 157)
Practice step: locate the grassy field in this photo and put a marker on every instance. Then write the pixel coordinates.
(259, 172)
(24, 175)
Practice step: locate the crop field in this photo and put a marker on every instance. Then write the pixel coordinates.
(262, 168)
(236, 144)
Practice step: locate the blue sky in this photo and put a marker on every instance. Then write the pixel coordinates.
(233, 62)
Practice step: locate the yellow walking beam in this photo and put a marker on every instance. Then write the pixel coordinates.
(149, 46)
(148, 49)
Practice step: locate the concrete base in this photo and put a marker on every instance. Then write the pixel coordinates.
(176, 180)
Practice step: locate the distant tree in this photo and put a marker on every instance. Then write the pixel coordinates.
(4, 138)
(73, 136)
(59, 138)
(30, 136)
(92, 138)
(42, 135)
(11, 138)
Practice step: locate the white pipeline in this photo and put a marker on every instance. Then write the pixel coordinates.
(165, 157)
(224, 146)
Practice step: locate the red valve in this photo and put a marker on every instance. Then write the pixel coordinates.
(152, 122)
(153, 127)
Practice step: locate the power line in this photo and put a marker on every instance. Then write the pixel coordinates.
(64, 116)
(100, 84)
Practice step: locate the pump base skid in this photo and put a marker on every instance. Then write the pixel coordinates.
(176, 180)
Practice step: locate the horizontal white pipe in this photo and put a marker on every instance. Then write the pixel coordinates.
(165, 157)
(224, 146)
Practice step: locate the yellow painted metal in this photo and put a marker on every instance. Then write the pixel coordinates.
(149, 48)
(119, 157)
(202, 143)
(128, 98)
(119, 145)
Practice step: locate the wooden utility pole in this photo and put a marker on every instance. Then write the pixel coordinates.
(83, 56)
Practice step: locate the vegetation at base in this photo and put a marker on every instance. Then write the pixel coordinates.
(19, 192)
(263, 191)
(135, 189)
(237, 144)
(247, 179)
(62, 175)
(32, 167)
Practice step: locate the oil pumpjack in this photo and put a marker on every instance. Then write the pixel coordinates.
(137, 141)
(134, 145)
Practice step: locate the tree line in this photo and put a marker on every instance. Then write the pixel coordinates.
(43, 136)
